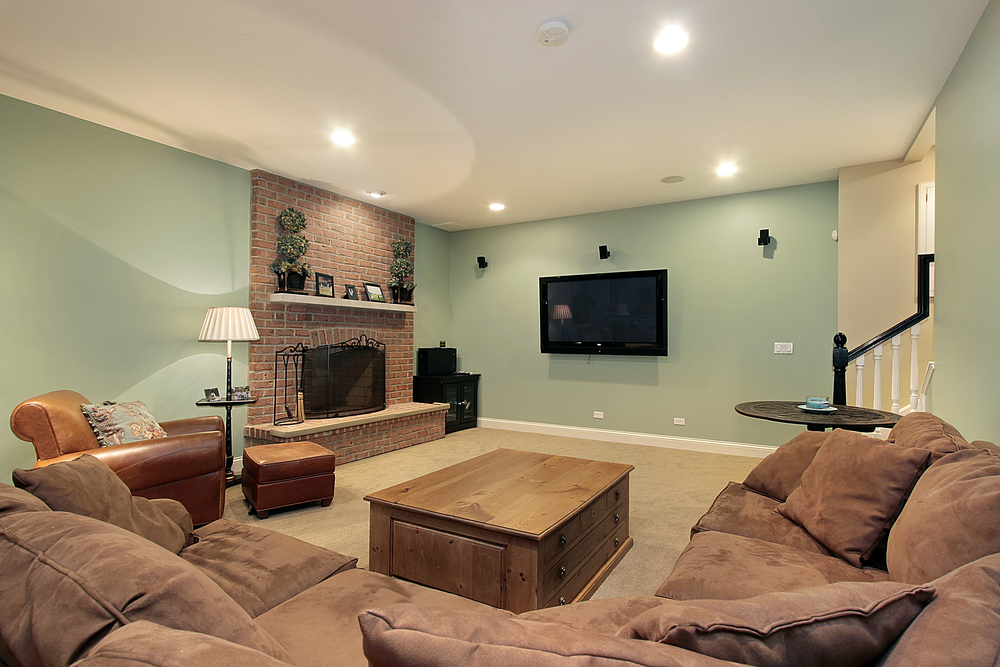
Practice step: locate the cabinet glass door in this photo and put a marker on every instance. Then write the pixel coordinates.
(451, 397)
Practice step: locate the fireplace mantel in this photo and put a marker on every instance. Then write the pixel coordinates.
(335, 302)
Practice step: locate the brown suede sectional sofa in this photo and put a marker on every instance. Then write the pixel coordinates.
(836, 550)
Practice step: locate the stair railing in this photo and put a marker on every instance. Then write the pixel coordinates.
(842, 356)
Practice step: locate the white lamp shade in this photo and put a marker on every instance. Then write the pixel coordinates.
(227, 324)
(562, 312)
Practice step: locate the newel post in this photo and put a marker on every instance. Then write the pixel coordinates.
(840, 362)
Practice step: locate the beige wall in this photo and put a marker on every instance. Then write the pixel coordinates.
(876, 269)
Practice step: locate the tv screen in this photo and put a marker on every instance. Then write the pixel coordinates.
(605, 313)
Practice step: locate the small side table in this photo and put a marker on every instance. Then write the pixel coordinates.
(231, 478)
(847, 417)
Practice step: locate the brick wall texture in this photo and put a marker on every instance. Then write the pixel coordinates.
(349, 240)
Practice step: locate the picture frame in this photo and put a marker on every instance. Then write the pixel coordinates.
(374, 292)
(212, 394)
(241, 393)
(324, 285)
(350, 292)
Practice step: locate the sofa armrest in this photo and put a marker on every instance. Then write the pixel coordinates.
(193, 425)
(149, 463)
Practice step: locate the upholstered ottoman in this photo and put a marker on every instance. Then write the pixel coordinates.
(286, 474)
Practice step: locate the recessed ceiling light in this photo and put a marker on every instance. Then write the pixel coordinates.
(377, 194)
(497, 207)
(672, 179)
(342, 138)
(726, 169)
(671, 40)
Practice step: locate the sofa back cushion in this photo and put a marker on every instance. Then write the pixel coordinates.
(852, 492)
(69, 580)
(87, 486)
(960, 626)
(409, 634)
(13, 500)
(848, 624)
(950, 519)
(922, 430)
(145, 643)
(778, 474)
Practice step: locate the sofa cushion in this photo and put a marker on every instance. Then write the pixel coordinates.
(847, 624)
(102, 577)
(145, 643)
(922, 430)
(260, 568)
(778, 473)
(87, 486)
(604, 616)
(961, 625)
(741, 511)
(322, 621)
(950, 518)
(852, 492)
(118, 423)
(720, 566)
(13, 500)
(414, 635)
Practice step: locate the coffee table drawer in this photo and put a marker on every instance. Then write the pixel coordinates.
(559, 571)
(575, 582)
(454, 563)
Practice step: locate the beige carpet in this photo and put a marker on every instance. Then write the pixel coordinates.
(670, 489)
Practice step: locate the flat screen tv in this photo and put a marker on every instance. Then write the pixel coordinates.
(605, 313)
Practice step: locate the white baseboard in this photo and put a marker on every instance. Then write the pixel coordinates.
(628, 438)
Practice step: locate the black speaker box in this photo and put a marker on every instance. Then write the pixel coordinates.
(436, 361)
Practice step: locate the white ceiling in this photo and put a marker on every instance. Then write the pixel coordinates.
(455, 104)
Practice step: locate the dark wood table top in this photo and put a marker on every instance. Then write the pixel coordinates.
(846, 417)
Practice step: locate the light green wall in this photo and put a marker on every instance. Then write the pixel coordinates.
(433, 294)
(967, 319)
(113, 249)
(729, 302)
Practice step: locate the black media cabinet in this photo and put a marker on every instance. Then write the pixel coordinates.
(459, 390)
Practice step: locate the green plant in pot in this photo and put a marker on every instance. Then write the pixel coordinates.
(401, 272)
(291, 246)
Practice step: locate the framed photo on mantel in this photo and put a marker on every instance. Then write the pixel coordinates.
(374, 292)
(324, 285)
(350, 292)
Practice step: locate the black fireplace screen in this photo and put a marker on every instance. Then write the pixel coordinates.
(336, 380)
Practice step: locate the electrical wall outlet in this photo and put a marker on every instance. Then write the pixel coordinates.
(783, 348)
(678, 421)
(598, 415)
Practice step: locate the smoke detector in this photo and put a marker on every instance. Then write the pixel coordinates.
(553, 32)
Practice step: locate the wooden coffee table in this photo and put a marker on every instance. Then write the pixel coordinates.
(512, 529)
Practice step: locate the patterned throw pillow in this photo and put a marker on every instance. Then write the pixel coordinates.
(118, 423)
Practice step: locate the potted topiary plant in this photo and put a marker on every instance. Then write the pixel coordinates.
(291, 245)
(401, 270)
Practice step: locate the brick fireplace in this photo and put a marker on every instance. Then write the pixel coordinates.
(349, 240)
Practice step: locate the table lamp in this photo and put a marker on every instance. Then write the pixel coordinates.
(228, 323)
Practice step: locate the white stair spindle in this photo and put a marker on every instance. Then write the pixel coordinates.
(877, 398)
(896, 342)
(859, 392)
(914, 366)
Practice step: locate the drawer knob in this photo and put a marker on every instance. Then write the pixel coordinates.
(618, 495)
(617, 518)
(562, 600)
(562, 540)
(562, 572)
(618, 543)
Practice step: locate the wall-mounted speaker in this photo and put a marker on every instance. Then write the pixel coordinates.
(482, 262)
(765, 237)
(603, 252)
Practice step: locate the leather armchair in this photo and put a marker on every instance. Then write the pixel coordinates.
(188, 465)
